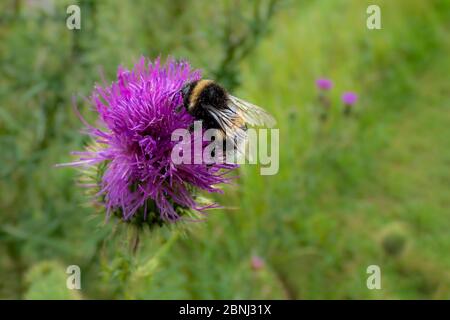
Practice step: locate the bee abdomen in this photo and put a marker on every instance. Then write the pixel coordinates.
(211, 94)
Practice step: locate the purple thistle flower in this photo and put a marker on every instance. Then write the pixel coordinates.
(138, 114)
(349, 98)
(324, 84)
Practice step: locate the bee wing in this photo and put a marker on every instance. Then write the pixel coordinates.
(251, 113)
(223, 117)
(235, 135)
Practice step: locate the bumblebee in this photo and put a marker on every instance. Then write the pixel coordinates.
(209, 102)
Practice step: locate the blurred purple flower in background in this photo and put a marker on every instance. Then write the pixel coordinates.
(349, 98)
(137, 115)
(324, 84)
(257, 263)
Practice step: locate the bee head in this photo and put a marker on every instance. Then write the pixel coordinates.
(186, 92)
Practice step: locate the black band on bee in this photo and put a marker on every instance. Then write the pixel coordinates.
(204, 92)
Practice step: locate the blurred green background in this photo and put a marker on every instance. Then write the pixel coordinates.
(351, 192)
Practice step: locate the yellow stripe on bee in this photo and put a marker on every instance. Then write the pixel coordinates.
(238, 121)
(195, 94)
